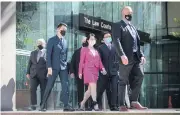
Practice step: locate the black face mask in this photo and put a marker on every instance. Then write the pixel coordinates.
(63, 33)
(40, 47)
(84, 44)
(128, 17)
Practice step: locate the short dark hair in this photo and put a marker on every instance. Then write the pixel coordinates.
(61, 24)
(106, 32)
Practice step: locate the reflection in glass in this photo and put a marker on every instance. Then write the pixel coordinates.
(29, 28)
(21, 65)
(86, 8)
(103, 10)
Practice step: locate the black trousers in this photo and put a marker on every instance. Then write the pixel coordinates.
(108, 83)
(34, 82)
(133, 70)
(63, 74)
(80, 89)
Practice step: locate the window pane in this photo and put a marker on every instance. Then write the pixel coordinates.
(86, 8)
(21, 66)
(31, 24)
(103, 10)
(62, 13)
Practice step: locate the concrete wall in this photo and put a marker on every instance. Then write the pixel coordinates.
(8, 56)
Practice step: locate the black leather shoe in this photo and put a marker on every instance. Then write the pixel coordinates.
(88, 109)
(32, 108)
(68, 108)
(114, 109)
(43, 108)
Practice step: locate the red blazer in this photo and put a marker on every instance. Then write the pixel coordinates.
(89, 64)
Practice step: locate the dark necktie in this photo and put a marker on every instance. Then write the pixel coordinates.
(134, 37)
(39, 55)
(109, 46)
(60, 42)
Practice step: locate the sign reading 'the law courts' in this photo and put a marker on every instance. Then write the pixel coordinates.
(94, 23)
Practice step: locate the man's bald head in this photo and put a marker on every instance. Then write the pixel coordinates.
(126, 12)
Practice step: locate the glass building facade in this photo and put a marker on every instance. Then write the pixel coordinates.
(36, 20)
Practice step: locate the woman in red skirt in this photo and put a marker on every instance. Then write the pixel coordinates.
(89, 66)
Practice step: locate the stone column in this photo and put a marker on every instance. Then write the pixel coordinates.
(8, 56)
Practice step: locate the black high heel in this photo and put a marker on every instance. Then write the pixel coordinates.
(81, 108)
(94, 103)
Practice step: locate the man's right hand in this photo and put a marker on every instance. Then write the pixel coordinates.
(49, 71)
(72, 75)
(28, 76)
(124, 60)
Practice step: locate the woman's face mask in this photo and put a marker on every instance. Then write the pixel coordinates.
(92, 41)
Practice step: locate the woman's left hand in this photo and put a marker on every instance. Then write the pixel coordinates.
(80, 76)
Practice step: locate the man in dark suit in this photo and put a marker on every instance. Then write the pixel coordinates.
(74, 68)
(37, 72)
(109, 81)
(127, 43)
(57, 50)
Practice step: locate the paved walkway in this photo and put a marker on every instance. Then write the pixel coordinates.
(152, 111)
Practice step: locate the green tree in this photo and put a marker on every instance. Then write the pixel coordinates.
(23, 22)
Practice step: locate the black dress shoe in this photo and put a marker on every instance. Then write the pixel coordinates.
(114, 109)
(32, 108)
(79, 109)
(68, 108)
(88, 109)
(42, 109)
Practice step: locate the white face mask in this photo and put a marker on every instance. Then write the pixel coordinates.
(92, 43)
